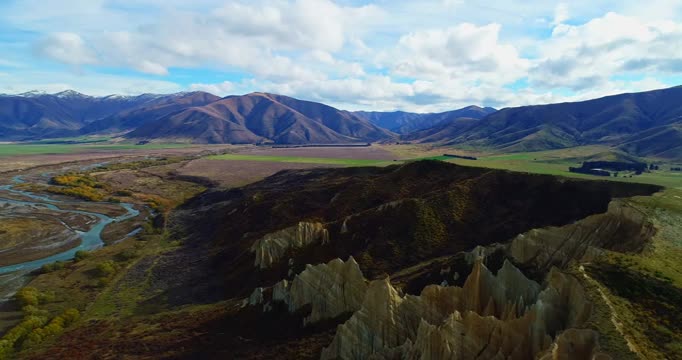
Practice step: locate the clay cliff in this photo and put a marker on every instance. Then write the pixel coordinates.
(487, 318)
(492, 316)
(622, 228)
(272, 247)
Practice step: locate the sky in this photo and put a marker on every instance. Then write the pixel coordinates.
(383, 55)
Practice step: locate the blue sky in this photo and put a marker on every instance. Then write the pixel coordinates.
(428, 55)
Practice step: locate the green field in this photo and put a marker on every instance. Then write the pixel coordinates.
(45, 149)
(556, 162)
(298, 159)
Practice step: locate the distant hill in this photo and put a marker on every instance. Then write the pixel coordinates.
(642, 124)
(35, 115)
(189, 116)
(647, 124)
(131, 119)
(405, 122)
(443, 131)
(262, 117)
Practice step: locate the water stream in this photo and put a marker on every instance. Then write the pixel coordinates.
(90, 239)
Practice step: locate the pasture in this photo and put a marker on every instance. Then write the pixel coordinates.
(298, 159)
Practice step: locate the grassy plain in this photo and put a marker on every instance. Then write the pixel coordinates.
(298, 159)
(42, 148)
(550, 162)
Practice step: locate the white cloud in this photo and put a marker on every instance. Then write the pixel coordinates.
(92, 84)
(68, 48)
(222, 89)
(560, 13)
(263, 38)
(465, 52)
(10, 63)
(586, 56)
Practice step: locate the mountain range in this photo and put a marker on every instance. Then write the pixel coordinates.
(261, 117)
(641, 124)
(405, 122)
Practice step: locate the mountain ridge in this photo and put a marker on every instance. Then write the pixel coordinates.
(620, 121)
(642, 124)
(262, 117)
(407, 122)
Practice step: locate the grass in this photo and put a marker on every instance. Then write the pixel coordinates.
(556, 162)
(73, 140)
(647, 305)
(44, 149)
(297, 159)
(646, 288)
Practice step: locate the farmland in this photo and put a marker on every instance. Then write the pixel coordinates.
(296, 159)
(41, 148)
(24, 156)
(551, 162)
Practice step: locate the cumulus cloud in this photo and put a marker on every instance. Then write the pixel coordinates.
(560, 13)
(90, 83)
(222, 89)
(263, 38)
(584, 56)
(68, 48)
(466, 51)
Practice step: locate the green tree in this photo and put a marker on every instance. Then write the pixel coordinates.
(28, 296)
(106, 268)
(80, 255)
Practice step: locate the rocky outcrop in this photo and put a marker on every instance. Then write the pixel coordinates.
(272, 247)
(502, 316)
(621, 228)
(576, 344)
(331, 290)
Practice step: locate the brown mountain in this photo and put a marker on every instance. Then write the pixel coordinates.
(34, 115)
(149, 111)
(644, 124)
(406, 122)
(261, 117)
(443, 131)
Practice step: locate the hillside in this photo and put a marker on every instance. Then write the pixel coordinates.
(644, 124)
(261, 117)
(443, 131)
(405, 122)
(131, 119)
(32, 116)
(299, 266)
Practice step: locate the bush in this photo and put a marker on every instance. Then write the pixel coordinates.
(48, 268)
(70, 316)
(103, 281)
(31, 310)
(28, 296)
(80, 255)
(19, 332)
(53, 329)
(46, 297)
(107, 268)
(83, 192)
(127, 254)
